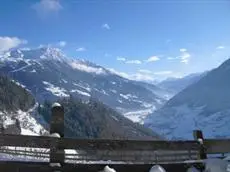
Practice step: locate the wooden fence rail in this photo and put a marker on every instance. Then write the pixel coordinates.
(213, 146)
(172, 154)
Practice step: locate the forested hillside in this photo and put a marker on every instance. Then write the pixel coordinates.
(13, 96)
(95, 120)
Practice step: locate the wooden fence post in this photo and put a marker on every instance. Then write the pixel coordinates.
(57, 154)
(197, 134)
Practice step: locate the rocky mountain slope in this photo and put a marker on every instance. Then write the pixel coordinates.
(18, 110)
(20, 114)
(49, 74)
(203, 105)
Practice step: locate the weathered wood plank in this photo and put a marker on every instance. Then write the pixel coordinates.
(215, 146)
(95, 144)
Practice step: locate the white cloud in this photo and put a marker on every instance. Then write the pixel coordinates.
(62, 43)
(142, 77)
(107, 55)
(220, 47)
(106, 26)
(7, 43)
(85, 68)
(185, 57)
(183, 50)
(145, 71)
(133, 62)
(122, 74)
(172, 58)
(47, 6)
(153, 59)
(136, 76)
(80, 49)
(168, 41)
(121, 58)
(167, 72)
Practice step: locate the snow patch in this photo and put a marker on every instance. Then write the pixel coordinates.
(57, 91)
(19, 84)
(140, 115)
(120, 101)
(114, 91)
(104, 92)
(124, 96)
(108, 169)
(128, 96)
(115, 118)
(80, 92)
(33, 71)
(83, 87)
(64, 81)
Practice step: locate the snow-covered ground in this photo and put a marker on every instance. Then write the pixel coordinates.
(57, 91)
(140, 115)
(81, 92)
(179, 122)
(30, 121)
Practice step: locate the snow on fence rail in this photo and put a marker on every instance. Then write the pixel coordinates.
(114, 150)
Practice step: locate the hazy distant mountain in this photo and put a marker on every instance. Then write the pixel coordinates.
(204, 105)
(49, 74)
(175, 85)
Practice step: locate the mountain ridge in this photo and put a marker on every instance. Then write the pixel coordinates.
(203, 105)
(49, 74)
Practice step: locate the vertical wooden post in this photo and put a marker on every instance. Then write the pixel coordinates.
(197, 134)
(57, 126)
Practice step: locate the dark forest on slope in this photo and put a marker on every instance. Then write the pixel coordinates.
(13, 96)
(95, 120)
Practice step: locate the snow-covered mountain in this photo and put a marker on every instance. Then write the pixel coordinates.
(49, 74)
(175, 85)
(18, 113)
(203, 105)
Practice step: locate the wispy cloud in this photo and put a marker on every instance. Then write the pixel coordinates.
(7, 43)
(145, 71)
(62, 43)
(107, 55)
(80, 49)
(121, 58)
(167, 72)
(220, 47)
(135, 76)
(133, 62)
(172, 58)
(153, 59)
(43, 7)
(122, 74)
(142, 77)
(85, 68)
(185, 57)
(168, 41)
(106, 26)
(183, 50)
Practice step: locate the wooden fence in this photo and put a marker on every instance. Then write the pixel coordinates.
(93, 154)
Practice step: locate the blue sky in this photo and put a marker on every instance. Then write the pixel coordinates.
(142, 39)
